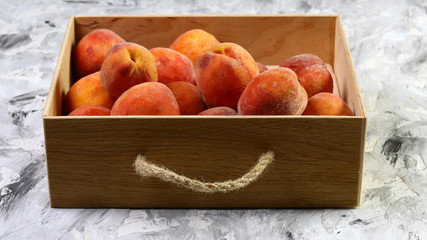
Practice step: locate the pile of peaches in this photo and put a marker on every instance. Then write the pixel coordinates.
(196, 75)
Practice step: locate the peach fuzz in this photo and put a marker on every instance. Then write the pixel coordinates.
(301, 61)
(218, 111)
(92, 49)
(312, 73)
(126, 65)
(188, 96)
(194, 43)
(173, 66)
(273, 92)
(91, 110)
(316, 79)
(88, 91)
(223, 72)
(327, 104)
(150, 98)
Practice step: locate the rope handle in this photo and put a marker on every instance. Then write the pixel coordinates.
(147, 169)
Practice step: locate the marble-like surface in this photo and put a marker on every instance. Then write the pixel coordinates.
(388, 42)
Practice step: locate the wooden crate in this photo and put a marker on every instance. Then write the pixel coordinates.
(319, 159)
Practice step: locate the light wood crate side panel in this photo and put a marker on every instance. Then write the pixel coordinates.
(91, 161)
(270, 39)
(62, 76)
(349, 89)
(346, 73)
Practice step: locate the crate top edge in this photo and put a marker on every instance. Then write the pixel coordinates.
(188, 117)
(335, 16)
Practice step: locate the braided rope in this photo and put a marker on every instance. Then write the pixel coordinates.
(147, 169)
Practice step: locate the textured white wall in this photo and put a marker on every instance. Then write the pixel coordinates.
(388, 42)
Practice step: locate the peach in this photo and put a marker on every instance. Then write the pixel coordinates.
(91, 110)
(223, 72)
(188, 96)
(194, 43)
(126, 65)
(173, 66)
(301, 61)
(219, 111)
(92, 49)
(316, 79)
(273, 92)
(327, 104)
(261, 67)
(312, 73)
(88, 91)
(150, 98)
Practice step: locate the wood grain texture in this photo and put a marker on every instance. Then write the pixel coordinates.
(91, 160)
(267, 38)
(318, 159)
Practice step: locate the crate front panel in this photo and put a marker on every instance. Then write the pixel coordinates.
(90, 161)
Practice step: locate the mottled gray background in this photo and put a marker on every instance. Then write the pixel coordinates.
(388, 43)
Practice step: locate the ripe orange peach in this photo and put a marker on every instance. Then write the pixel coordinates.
(273, 92)
(194, 43)
(316, 79)
(261, 67)
(223, 72)
(91, 110)
(188, 96)
(219, 111)
(173, 66)
(91, 50)
(312, 73)
(301, 61)
(88, 91)
(150, 98)
(327, 104)
(126, 65)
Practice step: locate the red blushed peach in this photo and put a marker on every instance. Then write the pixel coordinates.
(91, 110)
(327, 104)
(273, 92)
(261, 67)
(151, 98)
(194, 43)
(316, 79)
(126, 65)
(92, 49)
(312, 73)
(173, 66)
(219, 111)
(88, 91)
(188, 96)
(223, 72)
(301, 61)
